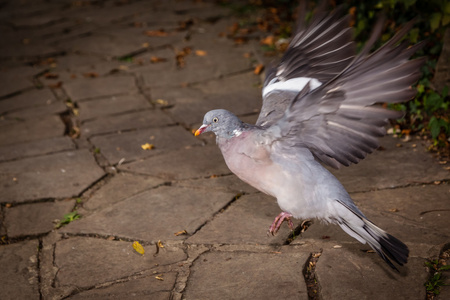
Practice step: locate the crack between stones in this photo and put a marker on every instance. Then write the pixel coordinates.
(309, 275)
(223, 209)
(411, 184)
(40, 247)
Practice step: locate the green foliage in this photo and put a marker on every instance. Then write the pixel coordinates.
(433, 285)
(67, 218)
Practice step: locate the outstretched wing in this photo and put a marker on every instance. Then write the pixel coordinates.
(340, 122)
(317, 53)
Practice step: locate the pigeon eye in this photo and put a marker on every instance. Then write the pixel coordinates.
(215, 120)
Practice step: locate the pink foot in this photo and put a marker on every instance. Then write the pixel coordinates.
(284, 216)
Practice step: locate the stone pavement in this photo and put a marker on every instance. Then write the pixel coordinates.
(84, 84)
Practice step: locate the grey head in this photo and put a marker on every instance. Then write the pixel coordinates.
(222, 122)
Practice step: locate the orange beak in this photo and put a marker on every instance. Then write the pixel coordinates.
(201, 130)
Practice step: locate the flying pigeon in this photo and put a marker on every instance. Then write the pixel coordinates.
(320, 107)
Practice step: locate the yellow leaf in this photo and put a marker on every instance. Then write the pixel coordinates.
(182, 232)
(138, 247)
(147, 146)
(160, 244)
(159, 277)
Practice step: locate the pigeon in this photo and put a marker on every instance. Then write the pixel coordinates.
(321, 107)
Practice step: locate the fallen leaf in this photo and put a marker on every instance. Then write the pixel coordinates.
(200, 52)
(159, 33)
(147, 146)
(145, 45)
(393, 210)
(55, 85)
(51, 75)
(160, 244)
(269, 41)
(247, 55)
(337, 246)
(159, 277)
(155, 59)
(182, 232)
(258, 69)
(138, 248)
(8, 205)
(162, 102)
(90, 74)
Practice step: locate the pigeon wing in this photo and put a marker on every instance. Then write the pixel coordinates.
(318, 52)
(340, 121)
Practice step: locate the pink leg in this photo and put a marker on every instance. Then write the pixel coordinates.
(284, 216)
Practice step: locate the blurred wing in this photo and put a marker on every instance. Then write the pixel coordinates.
(317, 53)
(340, 122)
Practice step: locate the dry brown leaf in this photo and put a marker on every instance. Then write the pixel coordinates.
(269, 41)
(200, 52)
(91, 74)
(55, 85)
(51, 75)
(182, 232)
(159, 33)
(393, 210)
(258, 69)
(155, 59)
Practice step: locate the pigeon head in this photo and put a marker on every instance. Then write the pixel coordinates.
(222, 122)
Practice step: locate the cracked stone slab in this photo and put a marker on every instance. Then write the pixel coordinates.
(59, 175)
(239, 275)
(348, 275)
(111, 105)
(141, 287)
(246, 221)
(37, 147)
(30, 99)
(424, 206)
(392, 167)
(194, 162)
(86, 88)
(18, 131)
(118, 188)
(19, 275)
(35, 218)
(127, 146)
(128, 121)
(86, 262)
(156, 214)
(55, 108)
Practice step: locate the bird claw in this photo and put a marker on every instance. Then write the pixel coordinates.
(283, 216)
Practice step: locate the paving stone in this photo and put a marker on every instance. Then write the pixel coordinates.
(60, 175)
(156, 214)
(142, 287)
(238, 275)
(55, 108)
(100, 44)
(218, 62)
(128, 121)
(19, 275)
(86, 262)
(392, 167)
(111, 105)
(36, 20)
(127, 146)
(30, 99)
(36, 218)
(246, 221)
(195, 162)
(16, 79)
(34, 148)
(229, 183)
(237, 94)
(86, 88)
(347, 275)
(19, 131)
(118, 188)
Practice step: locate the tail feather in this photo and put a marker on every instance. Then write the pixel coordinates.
(387, 246)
